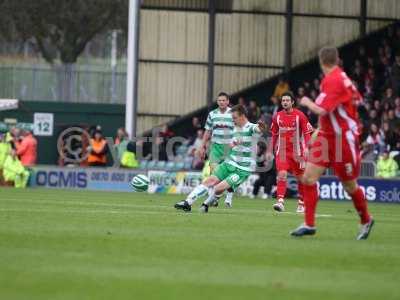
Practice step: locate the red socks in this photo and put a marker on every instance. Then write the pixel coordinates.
(310, 196)
(300, 190)
(360, 203)
(280, 188)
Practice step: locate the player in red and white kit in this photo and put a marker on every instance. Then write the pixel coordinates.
(337, 144)
(291, 133)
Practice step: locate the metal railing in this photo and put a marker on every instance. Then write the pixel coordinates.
(65, 83)
(368, 169)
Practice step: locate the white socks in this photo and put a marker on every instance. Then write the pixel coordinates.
(198, 191)
(211, 198)
(201, 190)
(228, 198)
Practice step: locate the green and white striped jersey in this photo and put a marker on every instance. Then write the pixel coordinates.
(243, 154)
(221, 126)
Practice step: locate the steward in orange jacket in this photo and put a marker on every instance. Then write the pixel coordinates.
(97, 150)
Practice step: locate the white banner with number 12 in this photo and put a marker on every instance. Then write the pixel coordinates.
(43, 124)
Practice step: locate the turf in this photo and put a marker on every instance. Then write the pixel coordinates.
(59, 244)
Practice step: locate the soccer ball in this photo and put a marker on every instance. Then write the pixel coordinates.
(140, 183)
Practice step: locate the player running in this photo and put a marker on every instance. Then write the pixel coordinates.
(291, 133)
(235, 169)
(218, 128)
(337, 143)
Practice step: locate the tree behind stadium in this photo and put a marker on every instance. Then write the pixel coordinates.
(60, 29)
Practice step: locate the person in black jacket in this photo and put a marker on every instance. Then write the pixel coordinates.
(267, 173)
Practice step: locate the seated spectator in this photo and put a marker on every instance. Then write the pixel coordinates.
(367, 152)
(97, 150)
(358, 78)
(396, 40)
(166, 132)
(307, 88)
(390, 136)
(362, 56)
(316, 85)
(242, 101)
(395, 76)
(27, 149)
(388, 96)
(397, 108)
(385, 70)
(377, 108)
(375, 138)
(275, 105)
(191, 132)
(300, 93)
(197, 143)
(394, 121)
(373, 118)
(128, 158)
(371, 84)
(198, 161)
(371, 64)
(388, 52)
(386, 107)
(281, 88)
(161, 152)
(386, 166)
(120, 142)
(14, 171)
(253, 112)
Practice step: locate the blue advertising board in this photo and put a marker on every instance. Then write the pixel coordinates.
(376, 190)
(113, 179)
(83, 178)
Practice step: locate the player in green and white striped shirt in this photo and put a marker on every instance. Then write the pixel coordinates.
(219, 129)
(236, 168)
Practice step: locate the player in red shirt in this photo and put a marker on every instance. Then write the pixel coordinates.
(337, 142)
(291, 133)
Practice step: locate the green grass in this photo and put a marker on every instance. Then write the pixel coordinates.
(58, 244)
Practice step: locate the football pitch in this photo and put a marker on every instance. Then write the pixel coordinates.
(59, 244)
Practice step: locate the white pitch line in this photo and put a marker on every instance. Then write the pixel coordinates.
(298, 214)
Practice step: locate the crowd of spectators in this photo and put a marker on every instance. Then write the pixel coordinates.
(376, 73)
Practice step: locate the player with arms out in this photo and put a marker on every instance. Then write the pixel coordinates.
(336, 144)
(235, 169)
(218, 129)
(291, 133)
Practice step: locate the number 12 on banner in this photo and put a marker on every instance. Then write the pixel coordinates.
(43, 124)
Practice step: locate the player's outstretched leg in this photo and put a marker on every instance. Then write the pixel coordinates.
(361, 206)
(214, 195)
(212, 198)
(199, 191)
(186, 205)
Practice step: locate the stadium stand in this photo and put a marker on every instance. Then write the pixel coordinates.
(374, 66)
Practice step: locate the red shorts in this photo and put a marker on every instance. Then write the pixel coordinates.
(342, 154)
(290, 164)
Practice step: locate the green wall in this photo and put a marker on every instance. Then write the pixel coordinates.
(109, 116)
